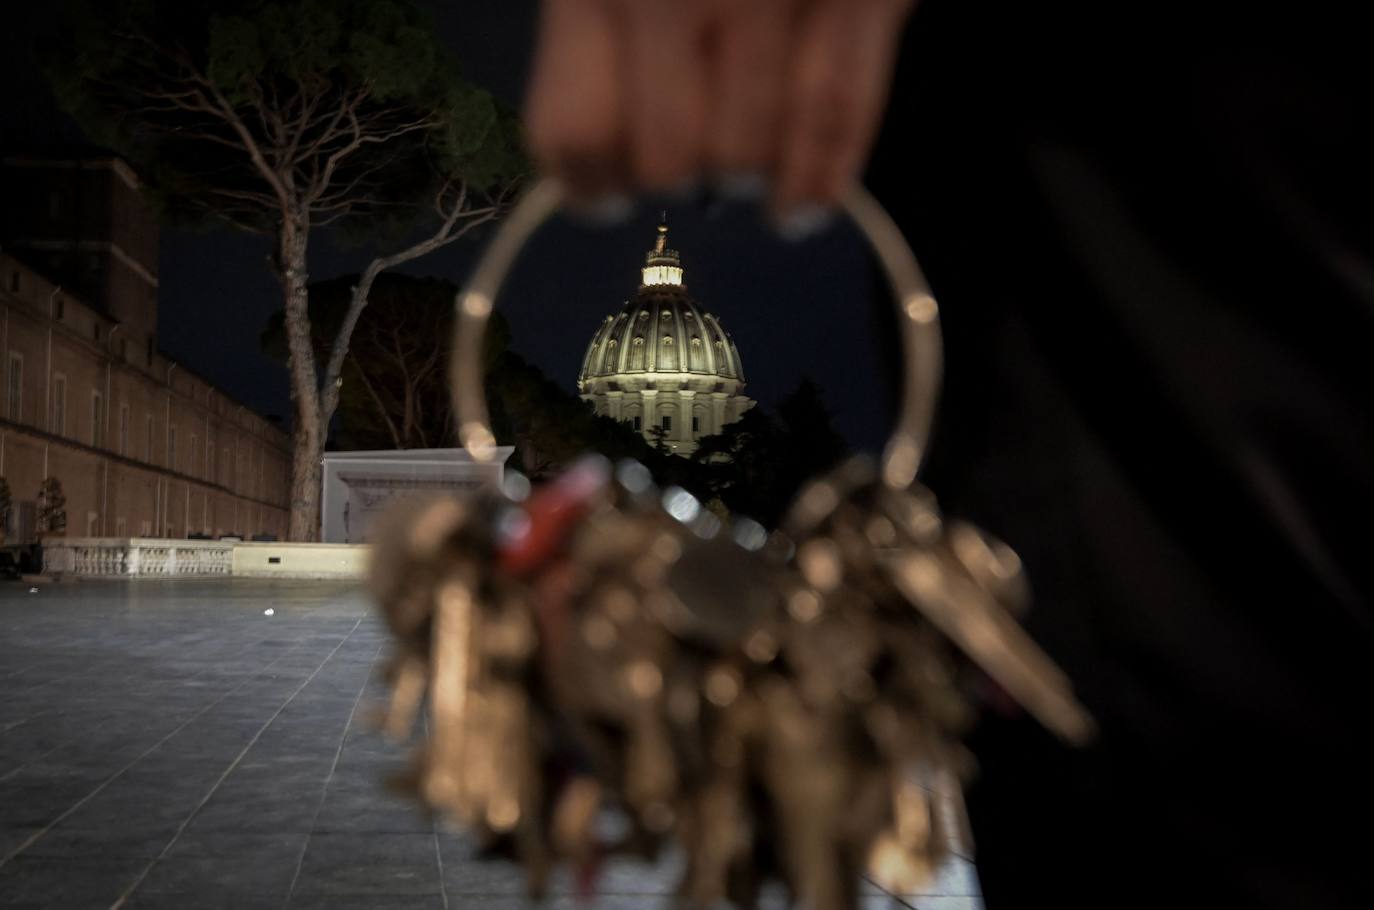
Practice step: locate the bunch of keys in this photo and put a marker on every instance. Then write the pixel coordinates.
(774, 704)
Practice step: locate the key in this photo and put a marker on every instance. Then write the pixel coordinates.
(774, 703)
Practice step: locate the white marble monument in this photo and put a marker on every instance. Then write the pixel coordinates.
(358, 486)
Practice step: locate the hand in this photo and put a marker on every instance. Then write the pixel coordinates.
(782, 95)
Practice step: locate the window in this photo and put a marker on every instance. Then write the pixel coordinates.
(58, 421)
(15, 398)
(667, 423)
(148, 421)
(145, 529)
(696, 424)
(97, 419)
(638, 427)
(121, 527)
(123, 429)
(92, 524)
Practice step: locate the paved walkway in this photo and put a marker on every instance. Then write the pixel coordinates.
(164, 744)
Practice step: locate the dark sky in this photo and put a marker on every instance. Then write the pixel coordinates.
(793, 309)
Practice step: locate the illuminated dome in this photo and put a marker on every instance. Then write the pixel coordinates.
(663, 361)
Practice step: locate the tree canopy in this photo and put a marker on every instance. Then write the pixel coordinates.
(228, 107)
(755, 465)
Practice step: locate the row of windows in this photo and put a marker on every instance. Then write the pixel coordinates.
(666, 422)
(97, 327)
(58, 425)
(666, 358)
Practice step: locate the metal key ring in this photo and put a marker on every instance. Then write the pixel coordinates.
(917, 314)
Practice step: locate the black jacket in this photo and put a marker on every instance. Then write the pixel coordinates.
(1151, 230)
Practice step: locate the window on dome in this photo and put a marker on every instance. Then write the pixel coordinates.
(667, 423)
(662, 274)
(636, 420)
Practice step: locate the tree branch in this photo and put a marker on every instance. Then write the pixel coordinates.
(377, 400)
(447, 232)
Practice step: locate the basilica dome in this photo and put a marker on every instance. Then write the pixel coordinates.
(664, 362)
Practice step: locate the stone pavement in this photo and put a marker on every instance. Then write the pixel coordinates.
(165, 744)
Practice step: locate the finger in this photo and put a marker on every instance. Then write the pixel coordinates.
(840, 79)
(667, 91)
(575, 110)
(749, 71)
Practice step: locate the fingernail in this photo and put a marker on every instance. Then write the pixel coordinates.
(803, 222)
(603, 211)
(742, 186)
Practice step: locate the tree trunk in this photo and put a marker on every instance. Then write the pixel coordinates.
(308, 442)
(333, 368)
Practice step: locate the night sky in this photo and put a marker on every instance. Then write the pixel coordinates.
(793, 309)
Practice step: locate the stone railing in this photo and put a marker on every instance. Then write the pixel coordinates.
(111, 557)
(146, 557)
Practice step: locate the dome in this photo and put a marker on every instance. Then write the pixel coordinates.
(662, 362)
(661, 330)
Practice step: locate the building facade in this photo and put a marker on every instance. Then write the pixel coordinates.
(663, 363)
(141, 445)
